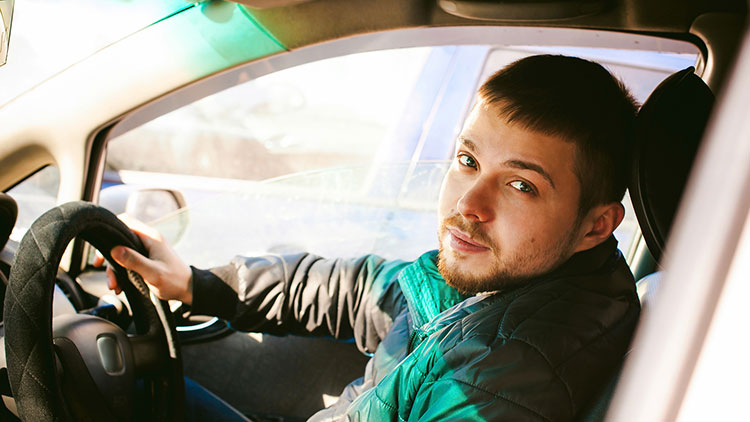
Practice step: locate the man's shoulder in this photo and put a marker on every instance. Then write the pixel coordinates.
(564, 300)
(560, 321)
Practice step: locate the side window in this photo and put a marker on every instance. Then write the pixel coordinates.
(34, 196)
(339, 157)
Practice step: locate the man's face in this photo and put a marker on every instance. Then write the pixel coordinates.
(508, 205)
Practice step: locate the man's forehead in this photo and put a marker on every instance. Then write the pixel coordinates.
(494, 121)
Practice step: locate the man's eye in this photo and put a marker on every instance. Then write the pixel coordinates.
(522, 186)
(467, 160)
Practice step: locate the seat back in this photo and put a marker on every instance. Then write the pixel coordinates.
(667, 132)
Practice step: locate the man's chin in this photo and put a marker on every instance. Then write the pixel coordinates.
(465, 273)
(470, 285)
(473, 274)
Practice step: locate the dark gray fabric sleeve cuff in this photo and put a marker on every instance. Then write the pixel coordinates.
(211, 296)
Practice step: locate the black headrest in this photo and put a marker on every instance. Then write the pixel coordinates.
(8, 214)
(668, 130)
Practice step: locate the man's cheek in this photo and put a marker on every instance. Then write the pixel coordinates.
(448, 199)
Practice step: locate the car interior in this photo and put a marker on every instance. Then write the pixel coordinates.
(285, 381)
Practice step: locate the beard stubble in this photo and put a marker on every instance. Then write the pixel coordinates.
(508, 269)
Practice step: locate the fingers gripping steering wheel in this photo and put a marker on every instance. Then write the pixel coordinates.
(82, 367)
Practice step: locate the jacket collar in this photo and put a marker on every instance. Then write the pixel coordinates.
(427, 294)
(587, 261)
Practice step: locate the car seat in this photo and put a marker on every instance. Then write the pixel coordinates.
(667, 133)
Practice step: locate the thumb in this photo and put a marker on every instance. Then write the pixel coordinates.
(133, 261)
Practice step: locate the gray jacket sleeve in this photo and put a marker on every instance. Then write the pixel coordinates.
(304, 294)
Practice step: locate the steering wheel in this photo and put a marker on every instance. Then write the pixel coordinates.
(81, 367)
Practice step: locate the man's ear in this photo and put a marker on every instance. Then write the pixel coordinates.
(599, 224)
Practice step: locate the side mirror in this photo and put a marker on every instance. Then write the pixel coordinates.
(164, 209)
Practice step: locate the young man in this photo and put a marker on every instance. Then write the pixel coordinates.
(527, 307)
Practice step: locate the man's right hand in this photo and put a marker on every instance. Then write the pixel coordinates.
(163, 271)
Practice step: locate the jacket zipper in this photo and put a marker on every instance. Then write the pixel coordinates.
(416, 338)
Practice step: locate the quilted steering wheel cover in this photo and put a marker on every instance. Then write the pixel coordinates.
(28, 301)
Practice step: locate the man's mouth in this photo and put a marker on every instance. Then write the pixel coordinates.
(462, 242)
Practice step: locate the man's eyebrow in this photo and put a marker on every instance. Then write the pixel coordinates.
(525, 165)
(468, 143)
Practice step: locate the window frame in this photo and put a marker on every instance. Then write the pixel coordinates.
(402, 38)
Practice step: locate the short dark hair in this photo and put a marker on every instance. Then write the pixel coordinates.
(579, 101)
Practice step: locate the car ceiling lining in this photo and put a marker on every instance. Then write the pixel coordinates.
(311, 22)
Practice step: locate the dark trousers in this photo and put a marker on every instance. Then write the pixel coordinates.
(203, 405)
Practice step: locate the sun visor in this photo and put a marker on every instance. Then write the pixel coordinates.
(523, 10)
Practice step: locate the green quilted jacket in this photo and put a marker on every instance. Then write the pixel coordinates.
(536, 352)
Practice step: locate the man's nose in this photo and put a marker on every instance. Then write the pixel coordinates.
(476, 203)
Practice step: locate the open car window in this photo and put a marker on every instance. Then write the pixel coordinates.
(340, 157)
